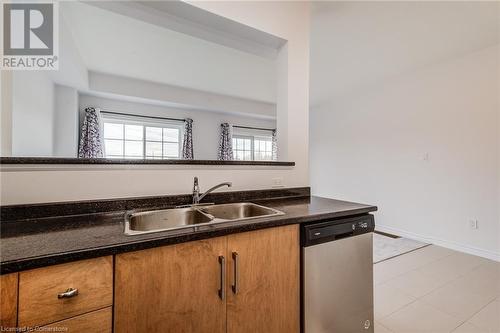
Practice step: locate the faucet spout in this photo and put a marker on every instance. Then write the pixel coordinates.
(196, 190)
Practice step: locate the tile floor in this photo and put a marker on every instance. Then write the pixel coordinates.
(436, 290)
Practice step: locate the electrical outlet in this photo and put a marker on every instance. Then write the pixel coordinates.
(473, 224)
(278, 182)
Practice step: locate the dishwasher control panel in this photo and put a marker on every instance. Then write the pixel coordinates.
(335, 229)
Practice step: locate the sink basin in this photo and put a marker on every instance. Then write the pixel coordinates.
(196, 216)
(238, 211)
(158, 220)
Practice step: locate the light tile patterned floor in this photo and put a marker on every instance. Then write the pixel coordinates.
(436, 290)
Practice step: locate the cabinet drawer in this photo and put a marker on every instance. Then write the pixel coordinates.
(39, 303)
(93, 322)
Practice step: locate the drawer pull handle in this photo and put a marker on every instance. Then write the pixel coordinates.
(70, 292)
(236, 277)
(222, 290)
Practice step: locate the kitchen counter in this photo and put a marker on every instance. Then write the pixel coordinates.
(37, 242)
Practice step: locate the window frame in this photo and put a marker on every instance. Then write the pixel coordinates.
(265, 139)
(252, 135)
(244, 137)
(145, 122)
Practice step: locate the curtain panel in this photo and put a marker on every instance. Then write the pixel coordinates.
(187, 143)
(225, 152)
(274, 146)
(91, 145)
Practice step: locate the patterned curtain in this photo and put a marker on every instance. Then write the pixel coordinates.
(187, 143)
(274, 146)
(225, 143)
(90, 135)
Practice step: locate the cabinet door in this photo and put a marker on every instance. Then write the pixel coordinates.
(8, 295)
(171, 289)
(263, 281)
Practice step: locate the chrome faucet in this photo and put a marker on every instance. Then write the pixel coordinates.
(196, 190)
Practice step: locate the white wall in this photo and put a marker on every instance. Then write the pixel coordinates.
(72, 70)
(33, 113)
(206, 124)
(35, 106)
(289, 20)
(66, 122)
(203, 100)
(152, 53)
(424, 147)
(6, 113)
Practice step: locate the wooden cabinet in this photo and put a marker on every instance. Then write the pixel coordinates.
(171, 289)
(8, 296)
(241, 283)
(39, 290)
(263, 281)
(93, 322)
(178, 288)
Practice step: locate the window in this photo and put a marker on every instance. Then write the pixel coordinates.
(134, 137)
(263, 148)
(252, 147)
(242, 148)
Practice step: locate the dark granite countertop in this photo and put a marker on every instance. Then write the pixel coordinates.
(98, 161)
(39, 242)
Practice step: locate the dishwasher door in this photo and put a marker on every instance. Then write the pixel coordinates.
(337, 294)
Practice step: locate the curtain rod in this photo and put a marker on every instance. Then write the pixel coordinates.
(136, 115)
(255, 128)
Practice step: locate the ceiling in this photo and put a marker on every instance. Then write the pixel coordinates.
(359, 44)
(188, 19)
(136, 40)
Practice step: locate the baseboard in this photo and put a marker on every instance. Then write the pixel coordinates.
(441, 242)
(386, 234)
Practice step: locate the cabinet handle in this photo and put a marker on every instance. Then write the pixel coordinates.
(236, 277)
(70, 292)
(222, 290)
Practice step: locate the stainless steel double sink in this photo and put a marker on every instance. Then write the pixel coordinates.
(194, 216)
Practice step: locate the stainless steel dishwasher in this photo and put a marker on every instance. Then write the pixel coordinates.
(337, 275)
